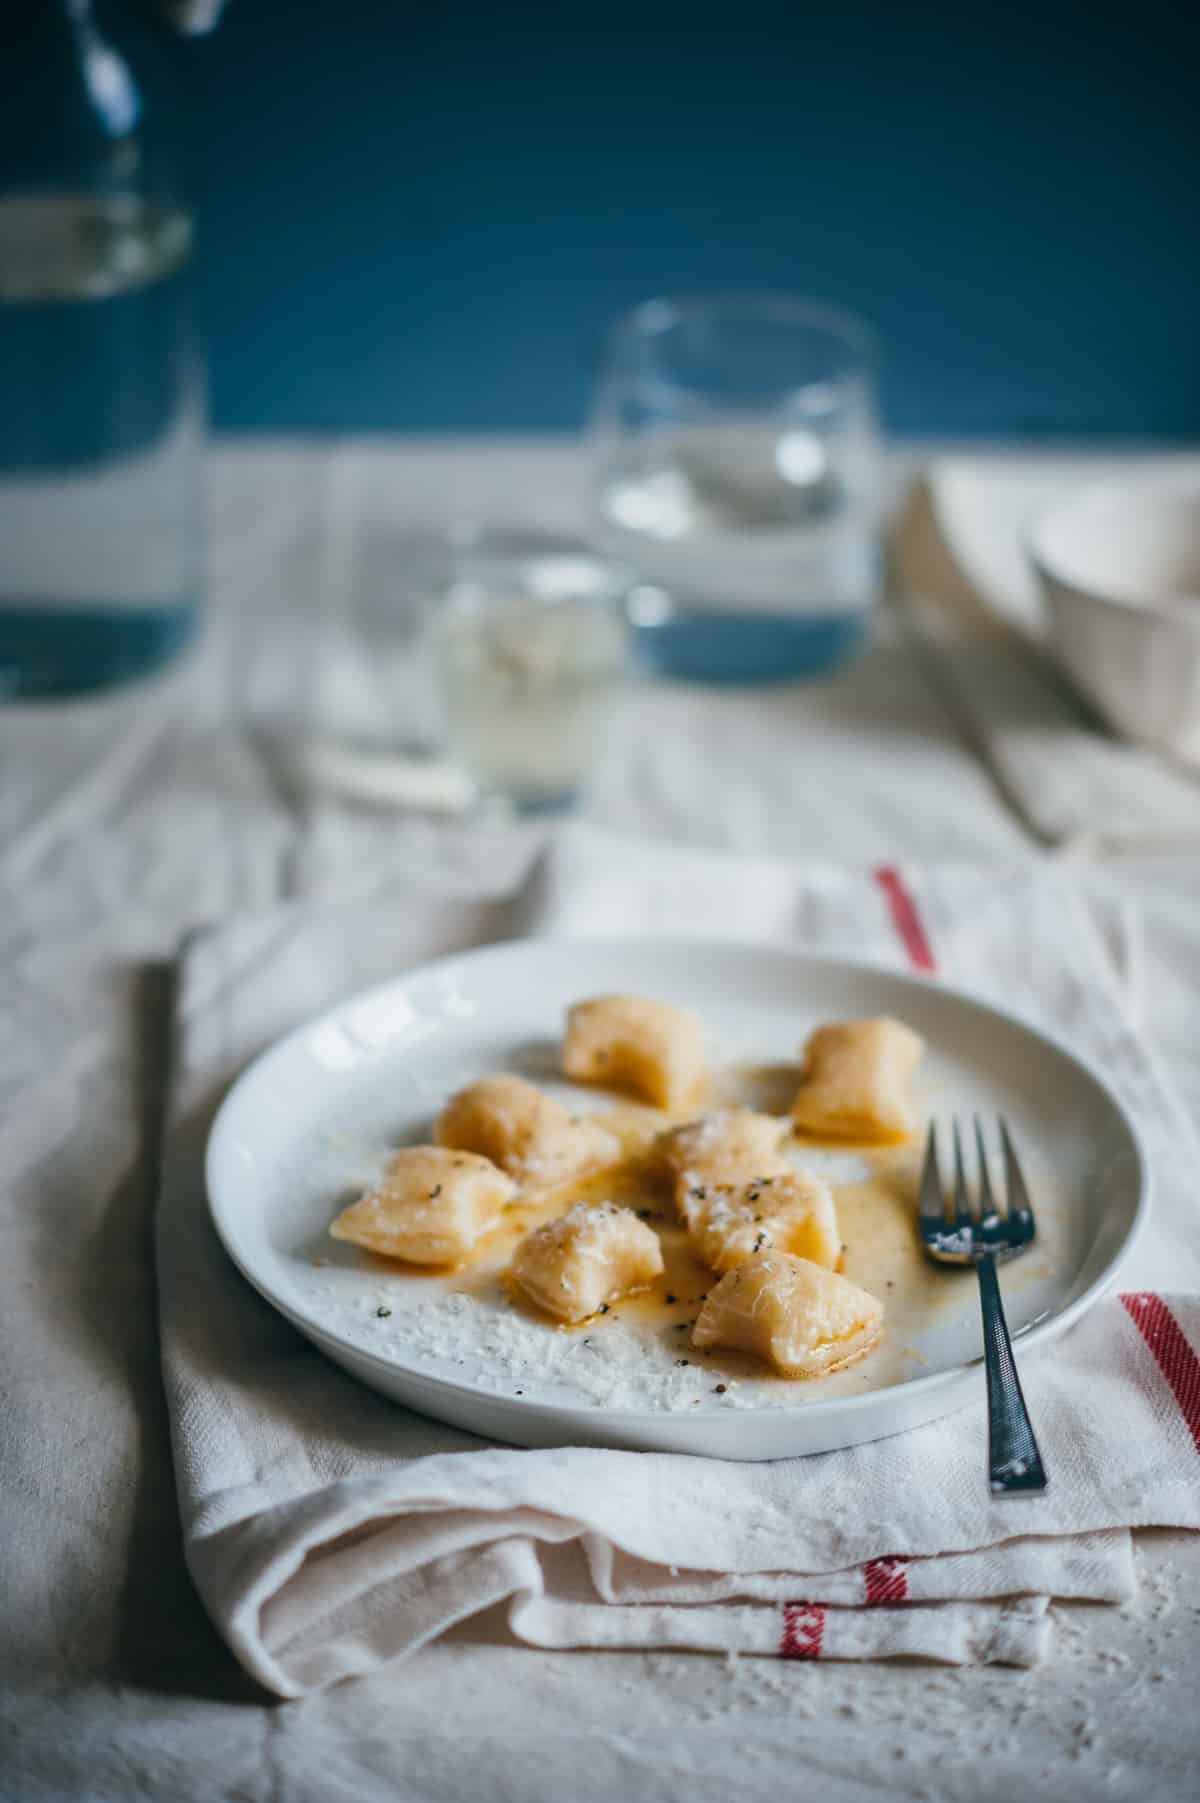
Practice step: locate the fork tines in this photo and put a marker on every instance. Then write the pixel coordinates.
(971, 1219)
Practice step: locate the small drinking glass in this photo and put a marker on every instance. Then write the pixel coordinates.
(736, 467)
(530, 646)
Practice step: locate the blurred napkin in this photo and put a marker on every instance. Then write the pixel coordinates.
(964, 590)
(329, 1530)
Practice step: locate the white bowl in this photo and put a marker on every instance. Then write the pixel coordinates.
(1119, 566)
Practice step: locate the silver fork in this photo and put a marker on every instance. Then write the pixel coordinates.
(979, 1234)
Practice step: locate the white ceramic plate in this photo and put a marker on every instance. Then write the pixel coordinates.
(312, 1119)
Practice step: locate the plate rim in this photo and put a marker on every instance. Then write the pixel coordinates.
(1036, 1334)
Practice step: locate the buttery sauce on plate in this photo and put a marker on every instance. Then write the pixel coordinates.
(877, 1217)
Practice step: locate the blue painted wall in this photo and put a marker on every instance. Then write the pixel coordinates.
(421, 216)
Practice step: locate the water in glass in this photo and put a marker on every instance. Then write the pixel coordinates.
(100, 507)
(530, 649)
(747, 507)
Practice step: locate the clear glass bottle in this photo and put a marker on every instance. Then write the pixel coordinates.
(101, 379)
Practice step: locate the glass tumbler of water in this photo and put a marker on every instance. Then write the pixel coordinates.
(101, 390)
(529, 644)
(735, 466)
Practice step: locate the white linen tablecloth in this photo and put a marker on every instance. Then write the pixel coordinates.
(123, 824)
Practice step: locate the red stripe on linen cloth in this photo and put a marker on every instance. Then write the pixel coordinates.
(886, 1581)
(906, 917)
(1172, 1353)
(803, 1631)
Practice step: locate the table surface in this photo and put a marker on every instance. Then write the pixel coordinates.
(126, 821)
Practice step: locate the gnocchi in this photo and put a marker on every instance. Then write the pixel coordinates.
(429, 1208)
(728, 1146)
(652, 1048)
(856, 1080)
(588, 1257)
(523, 1130)
(792, 1212)
(796, 1316)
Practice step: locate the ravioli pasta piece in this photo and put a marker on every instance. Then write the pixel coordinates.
(652, 1048)
(593, 1254)
(430, 1207)
(797, 1316)
(730, 1145)
(527, 1133)
(855, 1081)
(793, 1212)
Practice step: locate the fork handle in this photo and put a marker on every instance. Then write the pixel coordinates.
(1014, 1462)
